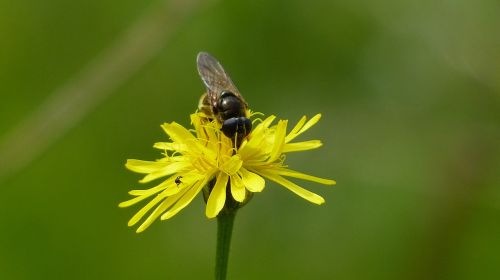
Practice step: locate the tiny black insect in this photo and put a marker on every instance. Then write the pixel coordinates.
(178, 180)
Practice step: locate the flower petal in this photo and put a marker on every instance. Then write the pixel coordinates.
(217, 196)
(160, 197)
(163, 185)
(178, 133)
(169, 146)
(173, 167)
(295, 174)
(259, 132)
(252, 181)
(181, 135)
(164, 205)
(237, 188)
(296, 131)
(279, 141)
(263, 125)
(307, 195)
(145, 209)
(133, 201)
(169, 184)
(255, 143)
(296, 128)
(145, 166)
(301, 146)
(232, 166)
(310, 123)
(185, 199)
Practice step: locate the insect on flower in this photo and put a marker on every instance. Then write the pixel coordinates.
(222, 100)
(222, 156)
(178, 180)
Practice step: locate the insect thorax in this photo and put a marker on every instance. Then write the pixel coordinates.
(204, 106)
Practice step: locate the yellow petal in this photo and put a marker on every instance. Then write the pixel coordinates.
(145, 209)
(296, 128)
(248, 150)
(169, 146)
(144, 166)
(252, 181)
(188, 179)
(173, 167)
(295, 174)
(265, 123)
(259, 131)
(307, 195)
(208, 131)
(217, 196)
(255, 143)
(279, 141)
(232, 165)
(310, 123)
(195, 120)
(178, 133)
(164, 205)
(163, 185)
(237, 188)
(132, 201)
(181, 135)
(168, 189)
(294, 133)
(301, 146)
(184, 200)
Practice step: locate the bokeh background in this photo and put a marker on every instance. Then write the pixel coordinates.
(410, 97)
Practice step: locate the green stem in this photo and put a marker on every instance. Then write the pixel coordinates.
(225, 221)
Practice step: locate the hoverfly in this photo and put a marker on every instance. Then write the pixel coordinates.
(222, 100)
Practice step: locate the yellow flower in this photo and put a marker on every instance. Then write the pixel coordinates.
(194, 159)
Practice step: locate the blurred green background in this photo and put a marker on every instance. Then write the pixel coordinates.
(410, 97)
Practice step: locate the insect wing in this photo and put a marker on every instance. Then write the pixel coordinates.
(214, 77)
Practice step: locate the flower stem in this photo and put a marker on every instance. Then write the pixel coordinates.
(225, 221)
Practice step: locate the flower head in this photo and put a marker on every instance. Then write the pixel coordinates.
(206, 158)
